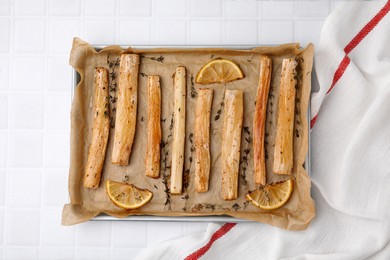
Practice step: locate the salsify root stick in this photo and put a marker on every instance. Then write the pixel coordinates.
(202, 139)
(126, 110)
(152, 160)
(231, 143)
(178, 130)
(260, 173)
(283, 154)
(100, 130)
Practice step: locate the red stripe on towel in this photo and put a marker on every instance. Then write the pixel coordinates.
(351, 45)
(367, 28)
(217, 235)
(313, 121)
(339, 72)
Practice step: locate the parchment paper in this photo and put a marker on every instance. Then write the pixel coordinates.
(84, 204)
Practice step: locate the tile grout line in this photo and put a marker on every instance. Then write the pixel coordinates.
(152, 25)
(295, 16)
(117, 22)
(188, 21)
(43, 160)
(8, 134)
(224, 26)
(116, 41)
(260, 22)
(82, 34)
(152, 22)
(188, 41)
(159, 17)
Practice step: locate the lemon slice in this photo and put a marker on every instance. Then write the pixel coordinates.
(271, 196)
(127, 196)
(219, 71)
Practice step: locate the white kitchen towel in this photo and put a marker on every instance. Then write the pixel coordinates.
(350, 156)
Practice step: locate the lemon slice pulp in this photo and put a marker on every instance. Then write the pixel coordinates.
(127, 196)
(271, 196)
(219, 71)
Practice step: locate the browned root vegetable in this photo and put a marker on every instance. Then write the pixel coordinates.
(202, 139)
(260, 173)
(178, 131)
(152, 160)
(283, 155)
(100, 130)
(126, 110)
(231, 143)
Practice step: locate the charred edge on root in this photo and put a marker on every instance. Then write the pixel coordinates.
(186, 181)
(113, 65)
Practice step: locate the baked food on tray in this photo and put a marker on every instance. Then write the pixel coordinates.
(186, 125)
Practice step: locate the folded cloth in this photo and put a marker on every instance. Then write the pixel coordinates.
(350, 156)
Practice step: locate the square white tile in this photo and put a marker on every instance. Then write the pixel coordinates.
(246, 8)
(22, 227)
(57, 150)
(284, 29)
(205, 32)
(5, 7)
(162, 231)
(277, 9)
(206, 8)
(94, 234)
(53, 233)
(313, 8)
(27, 111)
(3, 111)
(126, 253)
(99, 7)
(134, 7)
(170, 32)
(4, 72)
(21, 253)
(309, 31)
(92, 253)
(58, 112)
(61, 33)
(170, 8)
(129, 234)
(3, 185)
(236, 34)
(29, 35)
(25, 78)
(20, 181)
(93, 29)
(65, 7)
(29, 7)
(26, 150)
(3, 149)
(56, 253)
(55, 187)
(5, 32)
(59, 74)
(134, 32)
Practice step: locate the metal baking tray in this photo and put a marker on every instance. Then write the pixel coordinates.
(211, 218)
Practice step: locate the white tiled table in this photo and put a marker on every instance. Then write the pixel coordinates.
(35, 81)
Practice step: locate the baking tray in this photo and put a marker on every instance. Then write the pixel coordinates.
(105, 217)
